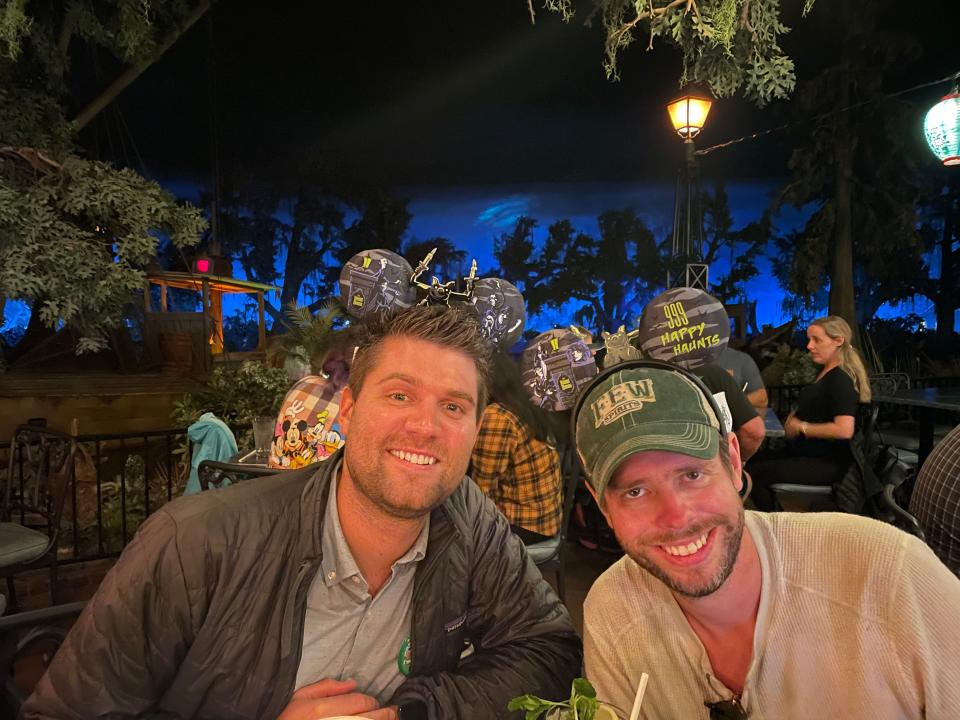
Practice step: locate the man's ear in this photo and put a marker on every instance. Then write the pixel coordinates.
(347, 402)
(736, 464)
(596, 499)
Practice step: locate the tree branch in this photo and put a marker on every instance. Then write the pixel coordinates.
(132, 73)
(33, 157)
(616, 38)
(63, 40)
(745, 20)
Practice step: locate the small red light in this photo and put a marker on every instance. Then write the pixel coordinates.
(203, 265)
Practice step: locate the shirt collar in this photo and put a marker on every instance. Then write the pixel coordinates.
(338, 563)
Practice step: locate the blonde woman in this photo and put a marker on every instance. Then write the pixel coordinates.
(818, 431)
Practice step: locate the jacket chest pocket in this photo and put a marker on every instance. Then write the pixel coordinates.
(456, 642)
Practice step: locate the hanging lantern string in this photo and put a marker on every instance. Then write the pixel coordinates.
(954, 77)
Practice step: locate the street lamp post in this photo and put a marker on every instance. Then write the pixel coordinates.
(688, 115)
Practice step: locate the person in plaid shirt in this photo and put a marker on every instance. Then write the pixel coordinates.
(515, 460)
(936, 500)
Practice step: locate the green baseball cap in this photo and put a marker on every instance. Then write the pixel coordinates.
(643, 408)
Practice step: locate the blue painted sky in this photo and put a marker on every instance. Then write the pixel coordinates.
(473, 216)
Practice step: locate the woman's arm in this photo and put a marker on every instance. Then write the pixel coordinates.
(840, 428)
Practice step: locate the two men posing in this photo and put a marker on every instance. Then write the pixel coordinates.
(389, 571)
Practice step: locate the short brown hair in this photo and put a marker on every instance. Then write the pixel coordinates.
(452, 327)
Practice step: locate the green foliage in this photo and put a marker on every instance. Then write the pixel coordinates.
(789, 366)
(74, 242)
(729, 45)
(857, 168)
(75, 234)
(311, 334)
(582, 704)
(14, 24)
(236, 395)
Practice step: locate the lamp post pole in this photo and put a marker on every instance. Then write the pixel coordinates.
(688, 115)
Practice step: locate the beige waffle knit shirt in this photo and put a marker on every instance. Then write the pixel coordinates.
(857, 620)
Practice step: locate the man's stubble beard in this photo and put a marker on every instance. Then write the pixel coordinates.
(730, 551)
(371, 484)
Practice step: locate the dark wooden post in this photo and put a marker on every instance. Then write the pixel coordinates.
(261, 324)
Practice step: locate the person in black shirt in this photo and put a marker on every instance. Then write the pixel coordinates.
(819, 430)
(747, 425)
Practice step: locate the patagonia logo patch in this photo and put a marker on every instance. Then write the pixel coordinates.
(455, 624)
(622, 399)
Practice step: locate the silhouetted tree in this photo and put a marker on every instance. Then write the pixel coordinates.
(855, 166)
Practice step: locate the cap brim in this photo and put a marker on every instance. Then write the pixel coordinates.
(693, 439)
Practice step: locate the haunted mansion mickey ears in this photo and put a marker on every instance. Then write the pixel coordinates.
(685, 327)
(375, 281)
(555, 366)
(378, 280)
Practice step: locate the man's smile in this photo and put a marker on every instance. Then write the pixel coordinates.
(413, 458)
(689, 551)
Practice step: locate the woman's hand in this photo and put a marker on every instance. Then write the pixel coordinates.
(792, 425)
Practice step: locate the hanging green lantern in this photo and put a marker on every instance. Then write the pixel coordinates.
(942, 128)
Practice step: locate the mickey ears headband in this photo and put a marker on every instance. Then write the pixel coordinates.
(683, 326)
(375, 281)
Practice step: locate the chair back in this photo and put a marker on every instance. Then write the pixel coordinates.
(214, 474)
(39, 475)
(572, 471)
(860, 485)
(889, 382)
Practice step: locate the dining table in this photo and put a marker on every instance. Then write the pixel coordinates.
(928, 402)
(772, 427)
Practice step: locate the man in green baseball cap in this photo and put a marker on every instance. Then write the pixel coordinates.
(733, 613)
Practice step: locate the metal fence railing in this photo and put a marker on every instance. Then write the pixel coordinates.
(119, 479)
(783, 398)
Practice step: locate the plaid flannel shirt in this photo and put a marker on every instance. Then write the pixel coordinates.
(518, 472)
(936, 500)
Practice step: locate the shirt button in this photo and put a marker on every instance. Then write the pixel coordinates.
(356, 580)
(331, 575)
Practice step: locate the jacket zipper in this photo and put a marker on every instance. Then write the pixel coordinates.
(418, 593)
(295, 619)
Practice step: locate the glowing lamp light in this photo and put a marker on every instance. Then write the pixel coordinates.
(688, 115)
(202, 265)
(942, 129)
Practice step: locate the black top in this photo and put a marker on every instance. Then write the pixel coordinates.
(719, 380)
(822, 401)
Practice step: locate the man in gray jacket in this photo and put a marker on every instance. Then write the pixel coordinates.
(383, 584)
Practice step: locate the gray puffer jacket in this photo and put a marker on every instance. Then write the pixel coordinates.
(202, 616)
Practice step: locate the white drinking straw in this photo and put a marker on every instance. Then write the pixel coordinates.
(641, 689)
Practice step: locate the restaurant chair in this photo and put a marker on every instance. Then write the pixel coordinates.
(904, 438)
(39, 475)
(895, 476)
(550, 555)
(858, 485)
(30, 637)
(217, 474)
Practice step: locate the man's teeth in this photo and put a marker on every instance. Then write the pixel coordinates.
(688, 549)
(413, 457)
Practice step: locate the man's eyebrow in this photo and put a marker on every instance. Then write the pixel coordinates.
(403, 377)
(399, 376)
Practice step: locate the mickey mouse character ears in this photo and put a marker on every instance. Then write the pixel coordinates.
(685, 327)
(374, 281)
(555, 365)
(379, 280)
(500, 311)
